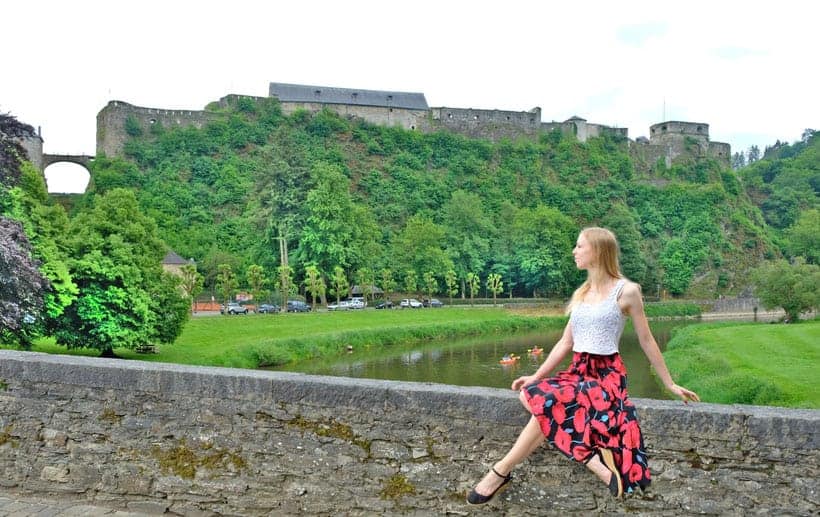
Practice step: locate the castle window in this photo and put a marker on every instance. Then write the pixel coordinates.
(153, 121)
(317, 92)
(413, 128)
(475, 117)
(355, 95)
(391, 110)
(700, 129)
(663, 128)
(449, 115)
(390, 97)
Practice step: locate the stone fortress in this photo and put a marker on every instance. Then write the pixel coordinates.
(667, 140)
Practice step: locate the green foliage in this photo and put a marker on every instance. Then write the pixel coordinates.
(226, 282)
(132, 126)
(351, 194)
(115, 260)
(794, 287)
(339, 286)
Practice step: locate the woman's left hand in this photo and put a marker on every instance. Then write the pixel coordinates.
(684, 394)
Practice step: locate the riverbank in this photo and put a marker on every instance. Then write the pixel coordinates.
(749, 363)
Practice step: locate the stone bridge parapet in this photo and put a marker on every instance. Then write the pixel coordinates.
(212, 441)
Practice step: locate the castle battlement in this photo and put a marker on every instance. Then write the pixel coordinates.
(410, 111)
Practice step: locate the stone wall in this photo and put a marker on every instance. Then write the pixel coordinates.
(160, 438)
(111, 134)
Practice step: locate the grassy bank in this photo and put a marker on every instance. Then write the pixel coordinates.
(255, 340)
(750, 363)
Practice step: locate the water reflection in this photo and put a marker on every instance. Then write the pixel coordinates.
(475, 362)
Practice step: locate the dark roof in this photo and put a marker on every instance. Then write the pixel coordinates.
(329, 95)
(173, 258)
(575, 117)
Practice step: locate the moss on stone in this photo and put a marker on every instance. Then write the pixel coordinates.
(4, 385)
(397, 486)
(5, 436)
(332, 429)
(184, 461)
(108, 415)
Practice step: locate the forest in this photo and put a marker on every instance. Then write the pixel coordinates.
(312, 203)
(369, 199)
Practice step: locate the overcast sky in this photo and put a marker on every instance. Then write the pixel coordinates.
(746, 68)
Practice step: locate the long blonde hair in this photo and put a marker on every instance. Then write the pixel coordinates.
(605, 245)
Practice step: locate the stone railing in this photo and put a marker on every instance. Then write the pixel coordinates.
(157, 438)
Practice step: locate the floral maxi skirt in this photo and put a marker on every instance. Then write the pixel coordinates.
(586, 407)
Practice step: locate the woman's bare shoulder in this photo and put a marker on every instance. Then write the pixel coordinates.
(631, 289)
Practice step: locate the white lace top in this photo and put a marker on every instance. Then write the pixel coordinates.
(597, 327)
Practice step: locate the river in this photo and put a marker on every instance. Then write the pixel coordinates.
(475, 361)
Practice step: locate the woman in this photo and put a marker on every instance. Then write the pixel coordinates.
(585, 411)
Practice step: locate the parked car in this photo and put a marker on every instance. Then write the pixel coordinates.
(433, 302)
(411, 303)
(233, 308)
(343, 305)
(384, 304)
(267, 308)
(356, 303)
(298, 306)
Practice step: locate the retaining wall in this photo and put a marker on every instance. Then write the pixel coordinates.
(157, 438)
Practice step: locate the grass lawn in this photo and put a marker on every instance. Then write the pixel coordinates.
(751, 363)
(254, 340)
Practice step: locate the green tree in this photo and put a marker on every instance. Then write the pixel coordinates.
(473, 283)
(255, 276)
(115, 260)
(191, 283)
(339, 285)
(794, 287)
(495, 285)
(430, 284)
(315, 284)
(366, 279)
(286, 284)
(419, 247)
(803, 238)
(468, 232)
(544, 239)
(388, 284)
(226, 282)
(410, 281)
(451, 281)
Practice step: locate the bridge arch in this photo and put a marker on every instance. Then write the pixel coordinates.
(66, 173)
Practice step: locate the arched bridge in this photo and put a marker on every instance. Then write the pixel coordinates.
(80, 159)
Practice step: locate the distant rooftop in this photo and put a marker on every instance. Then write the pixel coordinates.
(173, 258)
(329, 95)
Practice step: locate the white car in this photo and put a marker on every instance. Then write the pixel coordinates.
(341, 306)
(411, 303)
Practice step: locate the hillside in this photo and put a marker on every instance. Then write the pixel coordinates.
(350, 194)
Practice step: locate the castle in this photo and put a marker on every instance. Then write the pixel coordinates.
(667, 140)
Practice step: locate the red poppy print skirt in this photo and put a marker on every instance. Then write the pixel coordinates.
(586, 407)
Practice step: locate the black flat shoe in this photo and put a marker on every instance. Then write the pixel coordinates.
(616, 484)
(475, 498)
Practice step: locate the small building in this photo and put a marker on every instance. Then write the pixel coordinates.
(172, 263)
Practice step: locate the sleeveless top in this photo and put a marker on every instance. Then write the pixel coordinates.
(597, 327)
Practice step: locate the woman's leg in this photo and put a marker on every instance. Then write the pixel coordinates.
(529, 440)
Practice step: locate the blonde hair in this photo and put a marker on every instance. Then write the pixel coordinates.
(605, 245)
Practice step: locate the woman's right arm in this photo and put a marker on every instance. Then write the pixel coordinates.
(556, 355)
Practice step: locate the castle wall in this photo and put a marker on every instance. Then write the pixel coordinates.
(34, 149)
(153, 437)
(111, 134)
(382, 116)
(488, 124)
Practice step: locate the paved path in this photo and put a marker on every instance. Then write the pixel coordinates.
(12, 505)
